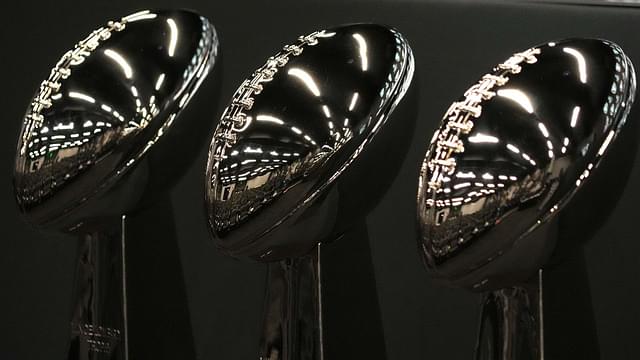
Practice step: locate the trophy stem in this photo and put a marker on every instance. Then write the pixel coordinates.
(309, 298)
(292, 327)
(511, 323)
(99, 315)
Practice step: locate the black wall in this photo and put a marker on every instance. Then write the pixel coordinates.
(454, 43)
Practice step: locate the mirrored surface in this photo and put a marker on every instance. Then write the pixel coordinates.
(104, 105)
(512, 151)
(292, 129)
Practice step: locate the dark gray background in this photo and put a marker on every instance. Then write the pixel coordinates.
(454, 43)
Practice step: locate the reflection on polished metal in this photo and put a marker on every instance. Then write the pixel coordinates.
(81, 158)
(297, 159)
(508, 156)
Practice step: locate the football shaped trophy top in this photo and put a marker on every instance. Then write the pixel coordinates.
(296, 133)
(103, 107)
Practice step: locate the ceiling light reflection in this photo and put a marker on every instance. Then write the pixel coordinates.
(306, 79)
(326, 111)
(513, 148)
(140, 15)
(543, 129)
(173, 40)
(582, 66)
(463, 175)
(483, 138)
(518, 97)
(61, 126)
(574, 116)
(606, 143)
(81, 96)
(269, 118)
(354, 100)
(159, 81)
(462, 185)
(250, 150)
(362, 46)
(115, 56)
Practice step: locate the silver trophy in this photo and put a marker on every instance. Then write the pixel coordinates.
(95, 138)
(508, 156)
(301, 154)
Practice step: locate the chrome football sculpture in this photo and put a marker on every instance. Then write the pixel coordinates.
(83, 160)
(302, 153)
(507, 157)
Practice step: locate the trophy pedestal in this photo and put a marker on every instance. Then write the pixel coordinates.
(324, 305)
(548, 317)
(130, 299)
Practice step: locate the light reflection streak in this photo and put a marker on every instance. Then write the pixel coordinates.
(269, 118)
(362, 46)
(159, 81)
(483, 138)
(513, 148)
(184, 100)
(81, 96)
(306, 79)
(574, 116)
(582, 66)
(173, 40)
(606, 143)
(115, 56)
(61, 126)
(463, 175)
(140, 15)
(518, 97)
(543, 130)
(462, 185)
(326, 111)
(250, 150)
(354, 100)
